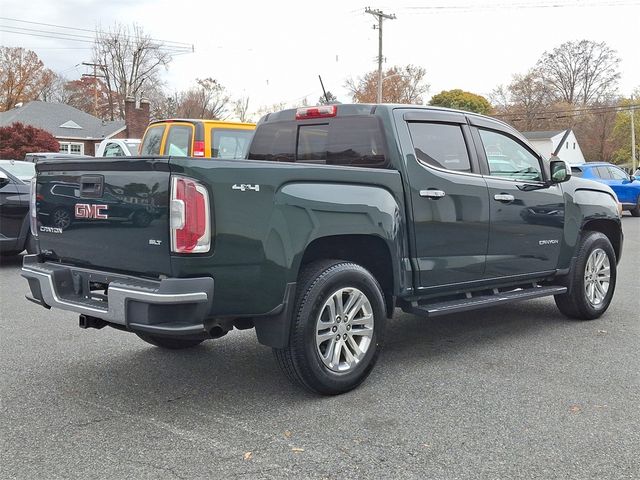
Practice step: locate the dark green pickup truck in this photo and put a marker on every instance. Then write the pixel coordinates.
(339, 215)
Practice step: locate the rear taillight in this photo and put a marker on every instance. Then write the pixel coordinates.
(33, 217)
(323, 111)
(190, 219)
(198, 149)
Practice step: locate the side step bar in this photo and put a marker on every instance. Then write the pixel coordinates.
(483, 301)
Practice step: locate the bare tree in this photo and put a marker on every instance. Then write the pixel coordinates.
(241, 109)
(130, 63)
(209, 99)
(23, 76)
(400, 85)
(580, 73)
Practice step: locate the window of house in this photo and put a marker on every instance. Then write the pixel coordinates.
(72, 148)
(508, 158)
(574, 145)
(567, 145)
(440, 145)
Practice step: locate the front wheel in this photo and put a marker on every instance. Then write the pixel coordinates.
(337, 330)
(171, 343)
(592, 279)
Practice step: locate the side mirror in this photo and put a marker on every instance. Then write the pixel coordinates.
(4, 179)
(560, 171)
(632, 178)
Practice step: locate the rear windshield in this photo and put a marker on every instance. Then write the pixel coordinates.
(350, 140)
(152, 141)
(229, 143)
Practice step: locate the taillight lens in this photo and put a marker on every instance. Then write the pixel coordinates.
(190, 221)
(33, 214)
(198, 149)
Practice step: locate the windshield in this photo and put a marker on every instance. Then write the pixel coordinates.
(23, 170)
(229, 144)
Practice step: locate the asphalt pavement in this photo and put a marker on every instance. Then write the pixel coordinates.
(512, 392)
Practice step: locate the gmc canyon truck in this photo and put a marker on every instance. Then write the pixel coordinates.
(338, 215)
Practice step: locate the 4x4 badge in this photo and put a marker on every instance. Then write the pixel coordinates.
(243, 187)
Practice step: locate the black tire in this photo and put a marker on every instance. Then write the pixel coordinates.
(575, 303)
(171, 343)
(635, 212)
(301, 359)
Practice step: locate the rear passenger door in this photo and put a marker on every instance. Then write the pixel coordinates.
(527, 212)
(448, 197)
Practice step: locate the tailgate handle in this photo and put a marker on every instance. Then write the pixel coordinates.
(91, 186)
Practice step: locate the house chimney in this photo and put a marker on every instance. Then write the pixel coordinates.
(136, 118)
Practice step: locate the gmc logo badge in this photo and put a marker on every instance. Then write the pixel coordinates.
(85, 210)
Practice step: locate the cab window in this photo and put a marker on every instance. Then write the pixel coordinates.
(230, 144)
(510, 159)
(440, 145)
(152, 141)
(113, 150)
(178, 143)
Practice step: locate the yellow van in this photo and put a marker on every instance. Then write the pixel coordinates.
(197, 138)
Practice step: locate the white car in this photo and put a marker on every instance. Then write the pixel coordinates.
(118, 147)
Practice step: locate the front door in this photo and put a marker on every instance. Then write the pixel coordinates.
(448, 197)
(527, 213)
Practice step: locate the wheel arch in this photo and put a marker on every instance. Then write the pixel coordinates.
(611, 229)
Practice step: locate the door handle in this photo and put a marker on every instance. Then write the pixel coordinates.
(435, 194)
(504, 197)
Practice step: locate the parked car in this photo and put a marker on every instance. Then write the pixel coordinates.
(627, 187)
(197, 138)
(118, 147)
(340, 214)
(15, 235)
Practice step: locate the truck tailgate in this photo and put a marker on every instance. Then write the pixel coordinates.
(106, 213)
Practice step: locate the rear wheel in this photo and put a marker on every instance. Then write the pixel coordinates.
(592, 279)
(171, 343)
(337, 331)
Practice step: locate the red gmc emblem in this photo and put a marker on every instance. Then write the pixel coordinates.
(85, 210)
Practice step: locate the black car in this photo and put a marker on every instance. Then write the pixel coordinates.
(15, 235)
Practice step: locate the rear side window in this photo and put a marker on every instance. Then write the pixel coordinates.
(178, 143)
(349, 140)
(152, 141)
(603, 172)
(230, 144)
(440, 145)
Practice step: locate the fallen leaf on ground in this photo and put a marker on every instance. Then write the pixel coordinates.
(602, 331)
(297, 450)
(248, 455)
(575, 408)
(287, 433)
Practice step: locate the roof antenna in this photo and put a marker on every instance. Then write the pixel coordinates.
(326, 98)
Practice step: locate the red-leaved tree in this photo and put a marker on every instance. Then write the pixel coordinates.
(18, 139)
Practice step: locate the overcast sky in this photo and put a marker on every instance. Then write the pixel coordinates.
(274, 51)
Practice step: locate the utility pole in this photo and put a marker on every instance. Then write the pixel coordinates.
(95, 83)
(632, 111)
(381, 16)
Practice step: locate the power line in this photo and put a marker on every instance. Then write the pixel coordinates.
(588, 110)
(516, 5)
(177, 44)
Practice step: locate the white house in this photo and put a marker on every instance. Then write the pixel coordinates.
(562, 143)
